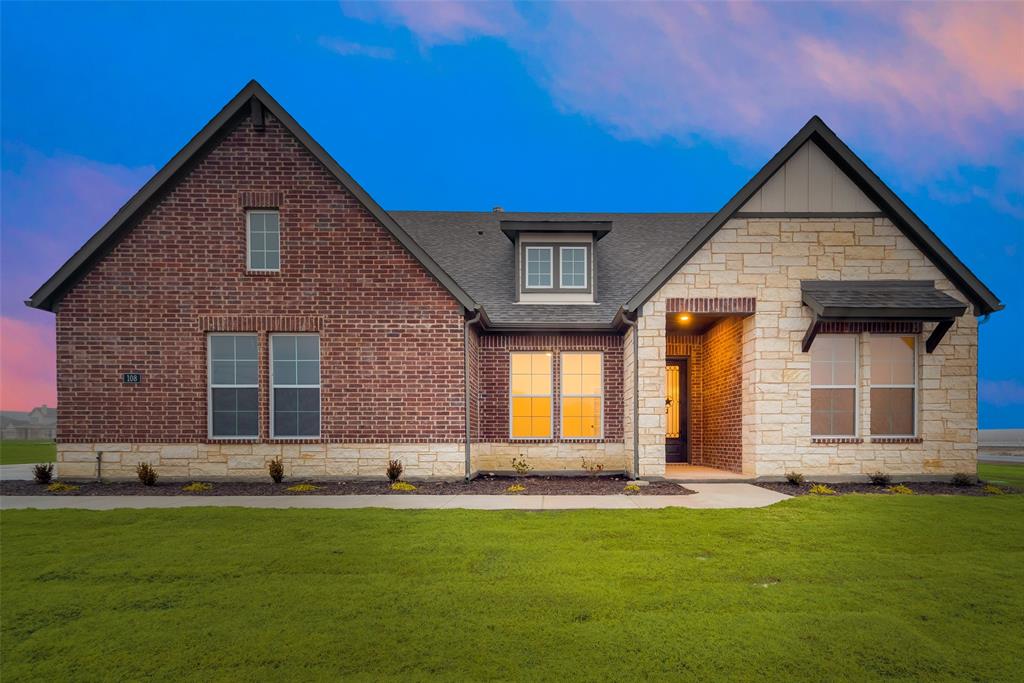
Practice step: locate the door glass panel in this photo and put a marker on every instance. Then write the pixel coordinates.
(672, 401)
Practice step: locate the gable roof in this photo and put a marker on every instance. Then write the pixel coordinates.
(914, 228)
(47, 295)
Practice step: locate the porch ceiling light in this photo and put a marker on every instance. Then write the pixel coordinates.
(684, 317)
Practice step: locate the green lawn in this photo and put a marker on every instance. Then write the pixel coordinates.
(1010, 474)
(853, 588)
(22, 452)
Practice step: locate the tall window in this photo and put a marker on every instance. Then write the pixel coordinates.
(893, 385)
(295, 382)
(539, 267)
(573, 272)
(530, 390)
(834, 385)
(264, 229)
(581, 395)
(233, 386)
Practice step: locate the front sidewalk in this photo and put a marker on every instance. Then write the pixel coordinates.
(708, 496)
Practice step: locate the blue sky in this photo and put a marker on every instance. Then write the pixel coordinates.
(531, 107)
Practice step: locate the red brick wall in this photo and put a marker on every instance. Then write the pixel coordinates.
(722, 396)
(494, 379)
(391, 336)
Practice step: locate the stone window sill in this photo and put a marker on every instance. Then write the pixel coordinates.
(897, 439)
(836, 439)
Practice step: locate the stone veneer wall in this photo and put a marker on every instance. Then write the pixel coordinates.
(551, 457)
(766, 259)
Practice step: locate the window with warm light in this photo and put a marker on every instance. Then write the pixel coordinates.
(582, 395)
(834, 385)
(893, 385)
(530, 393)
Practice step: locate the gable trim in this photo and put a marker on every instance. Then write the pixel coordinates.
(81, 261)
(983, 299)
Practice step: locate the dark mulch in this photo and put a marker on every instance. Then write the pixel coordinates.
(484, 485)
(929, 488)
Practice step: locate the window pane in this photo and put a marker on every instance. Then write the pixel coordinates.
(246, 372)
(258, 259)
(832, 412)
(247, 399)
(286, 399)
(308, 372)
(245, 347)
(541, 384)
(521, 363)
(223, 372)
(520, 384)
(271, 221)
(248, 423)
(272, 261)
(224, 424)
(272, 241)
(538, 267)
(572, 362)
(572, 407)
(224, 399)
(540, 407)
(307, 400)
(590, 384)
(283, 347)
(541, 427)
(222, 347)
(844, 373)
(892, 411)
(307, 348)
(572, 384)
(521, 427)
(309, 424)
(257, 242)
(285, 423)
(284, 372)
(256, 221)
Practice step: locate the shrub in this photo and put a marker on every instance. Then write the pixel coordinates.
(61, 487)
(822, 490)
(900, 489)
(880, 478)
(962, 479)
(632, 488)
(592, 468)
(43, 473)
(994, 490)
(520, 466)
(515, 488)
(302, 488)
(276, 469)
(795, 478)
(146, 474)
(402, 486)
(197, 487)
(394, 470)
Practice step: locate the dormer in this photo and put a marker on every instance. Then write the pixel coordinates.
(555, 259)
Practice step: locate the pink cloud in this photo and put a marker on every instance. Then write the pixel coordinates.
(442, 21)
(349, 49)
(28, 375)
(1004, 392)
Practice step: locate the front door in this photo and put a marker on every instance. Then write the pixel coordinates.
(677, 442)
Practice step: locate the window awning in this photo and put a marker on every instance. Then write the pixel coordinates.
(879, 301)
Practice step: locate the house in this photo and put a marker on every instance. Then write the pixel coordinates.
(39, 424)
(253, 301)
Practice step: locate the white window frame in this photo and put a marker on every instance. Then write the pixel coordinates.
(248, 240)
(855, 386)
(550, 395)
(561, 268)
(913, 386)
(551, 267)
(562, 395)
(318, 386)
(210, 386)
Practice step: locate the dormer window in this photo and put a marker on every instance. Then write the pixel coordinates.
(539, 267)
(573, 268)
(555, 260)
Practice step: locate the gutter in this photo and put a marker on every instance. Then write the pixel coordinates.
(465, 365)
(636, 390)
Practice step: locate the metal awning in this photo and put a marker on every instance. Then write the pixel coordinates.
(879, 301)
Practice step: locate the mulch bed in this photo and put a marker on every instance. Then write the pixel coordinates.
(923, 488)
(483, 485)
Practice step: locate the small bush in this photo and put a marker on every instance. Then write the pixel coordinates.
(515, 488)
(43, 473)
(520, 466)
(880, 478)
(795, 478)
(394, 470)
(822, 490)
(402, 486)
(962, 479)
(196, 487)
(994, 490)
(61, 487)
(276, 469)
(592, 468)
(632, 488)
(146, 474)
(302, 488)
(901, 490)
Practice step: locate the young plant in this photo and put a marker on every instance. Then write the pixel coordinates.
(994, 490)
(822, 490)
(197, 487)
(632, 489)
(520, 466)
(146, 474)
(962, 479)
(515, 488)
(276, 469)
(394, 471)
(302, 488)
(61, 487)
(593, 468)
(795, 478)
(402, 486)
(43, 473)
(901, 490)
(880, 478)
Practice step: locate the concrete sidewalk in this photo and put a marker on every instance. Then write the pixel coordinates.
(16, 472)
(707, 496)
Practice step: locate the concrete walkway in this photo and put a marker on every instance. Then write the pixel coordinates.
(16, 472)
(707, 496)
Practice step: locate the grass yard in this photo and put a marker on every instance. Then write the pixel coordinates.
(24, 452)
(1009, 474)
(855, 588)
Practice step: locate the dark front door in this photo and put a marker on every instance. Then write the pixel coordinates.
(677, 442)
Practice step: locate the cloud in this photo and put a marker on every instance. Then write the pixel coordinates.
(1004, 392)
(349, 49)
(28, 376)
(442, 21)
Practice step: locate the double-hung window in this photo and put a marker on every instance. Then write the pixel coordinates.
(581, 395)
(233, 397)
(573, 267)
(264, 239)
(834, 385)
(295, 386)
(539, 267)
(893, 385)
(530, 395)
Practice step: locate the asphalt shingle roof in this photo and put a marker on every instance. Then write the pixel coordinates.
(471, 248)
(882, 298)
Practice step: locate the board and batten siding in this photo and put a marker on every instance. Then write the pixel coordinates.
(809, 182)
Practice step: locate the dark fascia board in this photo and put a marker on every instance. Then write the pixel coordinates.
(598, 228)
(46, 296)
(815, 129)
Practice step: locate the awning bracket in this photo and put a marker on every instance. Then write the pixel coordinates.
(937, 334)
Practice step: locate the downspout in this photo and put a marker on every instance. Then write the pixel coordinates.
(636, 394)
(465, 364)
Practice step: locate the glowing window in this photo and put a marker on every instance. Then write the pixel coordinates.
(582, 395)
(834, 385)
(530, 384)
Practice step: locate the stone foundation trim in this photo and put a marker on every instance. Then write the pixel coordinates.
(260, 323)
(741, 305)
(550, 458)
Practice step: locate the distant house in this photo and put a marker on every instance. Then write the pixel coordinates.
(253, 301)
(39, 424)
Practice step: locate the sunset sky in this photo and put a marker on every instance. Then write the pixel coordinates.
(599, 107)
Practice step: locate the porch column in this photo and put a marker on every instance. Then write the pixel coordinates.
(652, 421)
